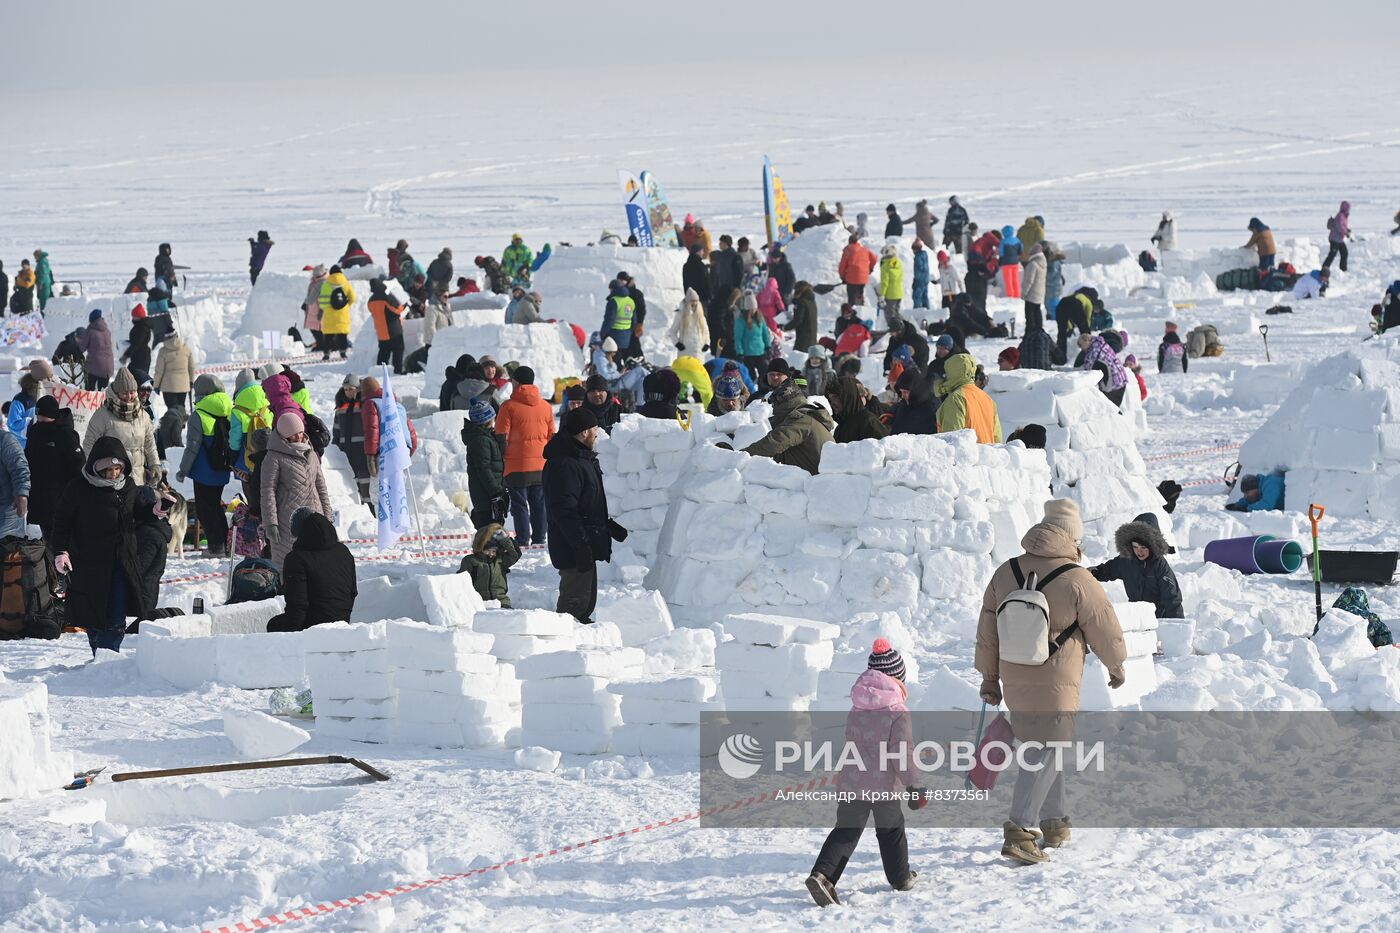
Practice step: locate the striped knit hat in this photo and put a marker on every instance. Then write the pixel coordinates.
(886, 660)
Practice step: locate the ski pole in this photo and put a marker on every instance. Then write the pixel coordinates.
(1264, 332)
(1315, 513)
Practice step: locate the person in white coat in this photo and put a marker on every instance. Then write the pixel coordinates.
(1033, 286)
(1165, 237)
(689, 331)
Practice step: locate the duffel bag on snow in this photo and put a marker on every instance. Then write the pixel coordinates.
(29, 606)
(1237, 279)
(253, 579)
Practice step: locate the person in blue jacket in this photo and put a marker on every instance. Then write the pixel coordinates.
(1010, 246)
(921, 275)
(22, 408)
(720, 365)
(1263, 492)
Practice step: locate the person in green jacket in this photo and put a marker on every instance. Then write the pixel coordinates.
(515, 261)
(493, 554)
(43, 277)
(891, 287)
(486, 484)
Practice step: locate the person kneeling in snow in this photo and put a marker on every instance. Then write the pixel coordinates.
(878, 721)
(493, 554)
(1142, 566)
(799, 430)
(318, 576)
(1262, 493)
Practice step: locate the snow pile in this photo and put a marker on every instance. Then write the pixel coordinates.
(574, 282)
(352, 681)
(1337, 435)
(565, 701)
(1093, 455)
(451, 691)
(888, 524)
(771, 664)
(549, 349)
(29, 765)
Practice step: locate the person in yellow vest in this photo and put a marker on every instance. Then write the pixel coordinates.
(335, 300)
(965, 405)
(618, 315)
(891, 287)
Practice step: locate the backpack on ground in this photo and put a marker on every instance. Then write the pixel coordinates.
(254, 579)
(221, 458)
(1023, 619)
(29, 605)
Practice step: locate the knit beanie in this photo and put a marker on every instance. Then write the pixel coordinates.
(41, 369)
(579, 420)
(886, 660)
(728, 387)
(945, 341)
(94, 315)
(270, 370)
(780, 365)
(47, 407)
(351, 381)
(299, 518)
(596, 383)
(480, 411)
(576, 393)
(289, 423)
(124, 382)
(1012, 356)
(1064, 515)
(524, 375)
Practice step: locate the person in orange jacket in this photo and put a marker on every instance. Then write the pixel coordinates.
(387, 312)
(857, 262)
(526, 422)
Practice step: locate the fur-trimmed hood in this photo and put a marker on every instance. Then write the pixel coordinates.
(1144, 528)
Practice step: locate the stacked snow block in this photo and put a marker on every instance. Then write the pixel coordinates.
(1337, 435)
(661, 717)
(230, 645)
(520, 633)
(1091, 445)
(771, 663)
(566, 704)
(898, 524)
(575, 280)
(1139, 622)
(549, 349)
(29, 765)
(451, 691)
(352, 681)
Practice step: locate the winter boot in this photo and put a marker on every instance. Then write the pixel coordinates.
(822, 890)
(1056, 833)
(908, 883)
(1020, 845)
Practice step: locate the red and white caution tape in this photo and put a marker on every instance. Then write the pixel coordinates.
(240, 365)
(1201, 451)
(415, 538)
(370, 897)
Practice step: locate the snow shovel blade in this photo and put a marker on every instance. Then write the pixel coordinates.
(824, 289)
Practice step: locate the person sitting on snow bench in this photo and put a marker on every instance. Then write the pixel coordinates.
(1262, 493)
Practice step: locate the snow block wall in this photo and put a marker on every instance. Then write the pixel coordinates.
(1337, 435)
(549, 349)
(1091, 446)
(901, 524)
(574, 282)
(29, 765)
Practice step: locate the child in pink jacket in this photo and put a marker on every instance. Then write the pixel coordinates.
(878, 719)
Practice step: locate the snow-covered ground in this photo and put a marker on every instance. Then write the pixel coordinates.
(156, 856)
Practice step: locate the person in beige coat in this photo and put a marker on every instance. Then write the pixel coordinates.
(1043, 699)
(174, 371)
(291, 479)
(121, 416)
(1033, 286)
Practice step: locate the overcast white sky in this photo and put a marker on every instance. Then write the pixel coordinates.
(89, 44)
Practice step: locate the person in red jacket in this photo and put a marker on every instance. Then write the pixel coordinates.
(370, 392)
(857, 262)
(465, 286)
(983, 260)
(526, 422)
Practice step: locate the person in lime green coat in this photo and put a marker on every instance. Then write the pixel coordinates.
(516, 260)
(891, 287)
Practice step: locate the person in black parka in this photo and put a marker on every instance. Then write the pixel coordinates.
(915, 412)
(94, 539)
(580, 532)
(1142, 566)
(153, 534)
(318, 576)
(854, 421)
(55, 456)
(138, 350)
(908, 336)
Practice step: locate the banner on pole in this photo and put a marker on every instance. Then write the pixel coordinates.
(635, 201)
(393, 464)
(663, 225)
(776, 211)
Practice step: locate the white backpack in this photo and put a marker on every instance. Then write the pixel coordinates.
(1023, 620)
